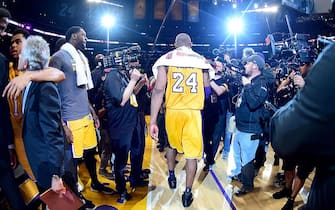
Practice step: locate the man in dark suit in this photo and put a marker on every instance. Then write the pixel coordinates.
(42, 131)
(7, 157)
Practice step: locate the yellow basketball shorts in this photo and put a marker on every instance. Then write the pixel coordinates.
(84, 135)
(184, 131)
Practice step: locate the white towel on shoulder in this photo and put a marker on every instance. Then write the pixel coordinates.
(82, 68)
(181, 57)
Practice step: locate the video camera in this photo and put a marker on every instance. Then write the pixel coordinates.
(234, 65)
(296, 49)
(291, 53)
(122, 58)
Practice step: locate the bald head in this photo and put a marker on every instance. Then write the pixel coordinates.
(183, 39)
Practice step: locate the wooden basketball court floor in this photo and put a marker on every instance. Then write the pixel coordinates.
(210, 191)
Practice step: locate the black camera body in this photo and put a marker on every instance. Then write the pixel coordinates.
(122, 59)
(298, 49)
(290, 56)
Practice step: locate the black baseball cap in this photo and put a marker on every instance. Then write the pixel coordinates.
(258, 60)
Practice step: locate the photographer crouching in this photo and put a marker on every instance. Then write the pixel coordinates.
(122, 111)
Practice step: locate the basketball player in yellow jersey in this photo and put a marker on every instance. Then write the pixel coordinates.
(18, 81)
(182, 75)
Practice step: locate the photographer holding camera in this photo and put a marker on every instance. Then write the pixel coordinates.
(249, 109)
(122, 110)
(96, 97)
(296, 77)
(303, 130)
(294, 80)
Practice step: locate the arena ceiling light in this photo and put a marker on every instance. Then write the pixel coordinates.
(108, 21)
(235, 25)
(105, 2)
(266, 9)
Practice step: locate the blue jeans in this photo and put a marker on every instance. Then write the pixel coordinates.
(234, 159)
(240, 157)
(246, 147)
(227, 136)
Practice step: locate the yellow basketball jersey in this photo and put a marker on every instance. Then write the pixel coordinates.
(185, 88)
(15, 107)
